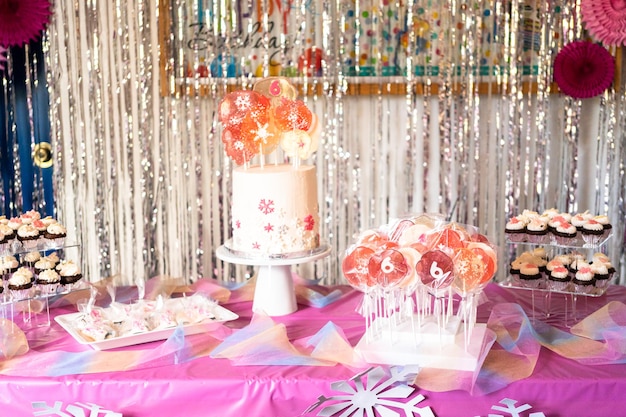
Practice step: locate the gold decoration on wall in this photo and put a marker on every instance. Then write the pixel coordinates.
(42, 155)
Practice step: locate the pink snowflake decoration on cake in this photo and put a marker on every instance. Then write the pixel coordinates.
(23, 20)
(266, 206)
(256, 245)
(309, 222)
(268, 227)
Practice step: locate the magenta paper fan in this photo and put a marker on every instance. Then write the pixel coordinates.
(22, 20)
(583, 69)
(605, 20)
(3, 57)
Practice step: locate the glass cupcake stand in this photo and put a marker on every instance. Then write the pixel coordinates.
(554, 246)
(32, 306)
(274, 292)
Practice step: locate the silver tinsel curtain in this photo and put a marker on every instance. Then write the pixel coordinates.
(427, 106)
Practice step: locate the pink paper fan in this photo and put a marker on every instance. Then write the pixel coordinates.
(22, 20)
(605, 20)
(3, 57)
(583, 69)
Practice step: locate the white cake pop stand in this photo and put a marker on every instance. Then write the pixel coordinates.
(274, 292)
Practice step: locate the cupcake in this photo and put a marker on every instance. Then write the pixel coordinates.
(31, 258)
(606, 224)
(537, 230)
(584, 280)
(69, 272)
(48, 220)
(9, 234)
(517, 263)
(529, 275)
(558, 279)
(55, 234)
(577, 264)
(48, 281)
(578, 220)
(20, 284)
(550, 213)
(565, 234)
(592, 232)
(601, 274)
(563, 258)
(14, 223)
(4, 242)
(30, 216)
(515, 229)
(43, 264)
(552, 264)
(8, 265)
(54, 257)
(28, 235)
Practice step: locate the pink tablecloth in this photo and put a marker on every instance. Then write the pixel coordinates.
(214, 387)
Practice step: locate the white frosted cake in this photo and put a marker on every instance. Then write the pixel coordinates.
(274, 210)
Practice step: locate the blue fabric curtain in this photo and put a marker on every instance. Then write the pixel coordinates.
(24, 123)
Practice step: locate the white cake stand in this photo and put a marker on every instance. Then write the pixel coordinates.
(274, 292)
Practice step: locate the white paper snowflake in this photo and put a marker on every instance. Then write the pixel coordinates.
(375, 392)
(77, 409)
(509, 408)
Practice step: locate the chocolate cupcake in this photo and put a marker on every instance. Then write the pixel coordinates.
(606, 224)
(48, 281)
(530, 276)
(559, 278)
(28, 235)
(537, 230)
(44, 264)
(601, 274)
(515, 229)
(565, 234)
(69, 272)
(592, 232)
(20, 284)
(584, 280)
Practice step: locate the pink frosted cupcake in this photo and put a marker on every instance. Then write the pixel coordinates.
(14, 223)
(584, 281)
(606, 224)
(558, 279)
(601, 274)
(515, 229)
(565, 234)
(30, 216)
(578, 220)
(530, 276)
(592, 232)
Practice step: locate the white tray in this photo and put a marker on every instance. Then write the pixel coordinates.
(222, 315)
